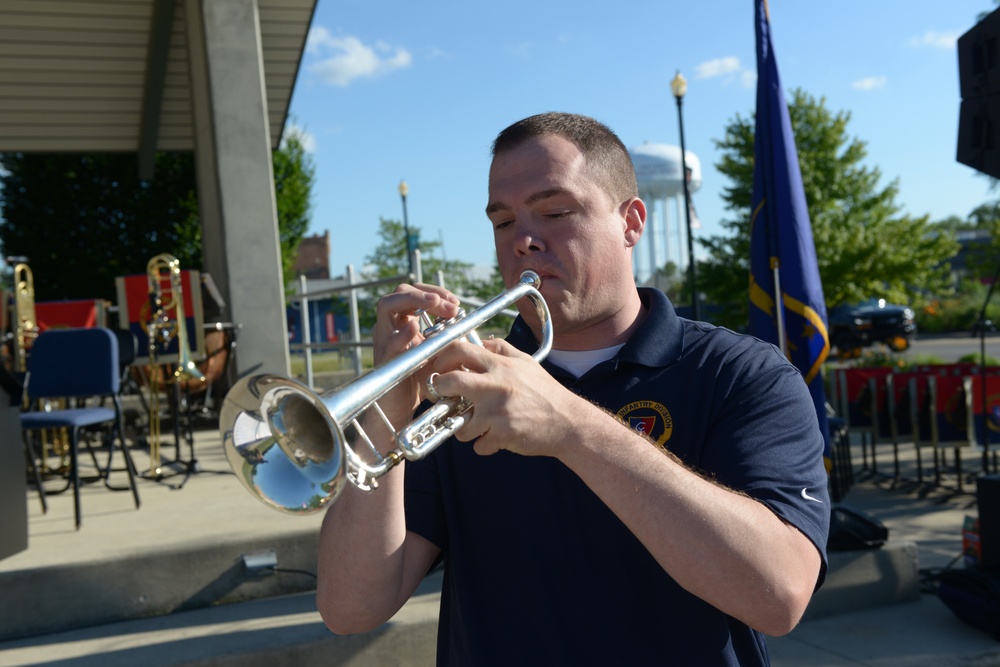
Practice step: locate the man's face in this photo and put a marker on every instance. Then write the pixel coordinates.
(550, 215)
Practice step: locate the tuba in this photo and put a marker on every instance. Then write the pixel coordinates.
(25, 322)
(289, 446)
(161, 330)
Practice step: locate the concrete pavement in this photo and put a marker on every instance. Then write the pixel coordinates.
(165, 584)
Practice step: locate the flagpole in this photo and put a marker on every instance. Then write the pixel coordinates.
(779, 307)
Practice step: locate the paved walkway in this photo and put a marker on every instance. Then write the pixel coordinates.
(184, 515)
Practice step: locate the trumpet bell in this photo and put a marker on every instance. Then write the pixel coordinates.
(283, 445)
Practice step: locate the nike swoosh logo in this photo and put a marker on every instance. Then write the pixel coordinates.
(808, 497)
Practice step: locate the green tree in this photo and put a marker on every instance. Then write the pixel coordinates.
(981, 229)
(982, 257)
(294, 173)
(82, 220)
(389, 259)
(487, 288)
(864, 245)
(950, 225)
(983, 216)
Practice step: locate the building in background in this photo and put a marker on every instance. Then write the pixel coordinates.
(327, 313)
(313, 258)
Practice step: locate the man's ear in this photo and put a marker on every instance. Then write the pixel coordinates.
(633, 213)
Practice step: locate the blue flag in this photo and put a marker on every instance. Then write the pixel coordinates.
(782, 251)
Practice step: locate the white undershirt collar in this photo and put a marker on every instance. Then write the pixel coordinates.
(578, 362)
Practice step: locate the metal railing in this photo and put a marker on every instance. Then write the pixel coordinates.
(355, 344)
(353, 288)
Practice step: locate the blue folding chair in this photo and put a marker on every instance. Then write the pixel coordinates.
(78, 364)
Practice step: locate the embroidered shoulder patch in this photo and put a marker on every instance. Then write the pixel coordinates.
(648, 417)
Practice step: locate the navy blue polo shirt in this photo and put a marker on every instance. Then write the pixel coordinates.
(538, 571)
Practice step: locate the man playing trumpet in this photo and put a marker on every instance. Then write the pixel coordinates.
(652, 493)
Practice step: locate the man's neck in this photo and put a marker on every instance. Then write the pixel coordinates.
(615, 329)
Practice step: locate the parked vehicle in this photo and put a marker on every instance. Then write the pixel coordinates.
(856, 326)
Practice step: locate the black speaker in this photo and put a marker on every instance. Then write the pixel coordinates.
(988, 500)
(979, 83)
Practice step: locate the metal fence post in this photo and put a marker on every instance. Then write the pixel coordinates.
(306, 331)
(355, 322)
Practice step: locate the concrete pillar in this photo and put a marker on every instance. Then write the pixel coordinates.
(235, 178)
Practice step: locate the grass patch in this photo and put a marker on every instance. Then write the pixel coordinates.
(329, 362)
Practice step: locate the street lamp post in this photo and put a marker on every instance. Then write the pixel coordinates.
(679, 86)
(404, 190)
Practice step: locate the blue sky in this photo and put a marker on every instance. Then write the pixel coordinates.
(417, 91)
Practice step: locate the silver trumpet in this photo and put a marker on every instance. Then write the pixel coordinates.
(288, 445)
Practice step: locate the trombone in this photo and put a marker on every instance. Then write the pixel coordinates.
(288, 445)
(161, 329)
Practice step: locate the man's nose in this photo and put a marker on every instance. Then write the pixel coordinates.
(527, 240)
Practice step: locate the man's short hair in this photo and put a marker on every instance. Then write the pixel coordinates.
(605, 154)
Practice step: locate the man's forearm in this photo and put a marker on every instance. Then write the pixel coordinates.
(725, 547)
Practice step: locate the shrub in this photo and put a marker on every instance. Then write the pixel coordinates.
(958, 312)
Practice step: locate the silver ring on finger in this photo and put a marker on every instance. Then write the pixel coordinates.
(431, 389)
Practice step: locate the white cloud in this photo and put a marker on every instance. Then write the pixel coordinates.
(344, 59)
(729, 69)
(936, 40)
(717, 67)
(870, 83)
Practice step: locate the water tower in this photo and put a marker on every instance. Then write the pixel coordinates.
(658, 171)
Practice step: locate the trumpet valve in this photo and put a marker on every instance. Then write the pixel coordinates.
(440, 324)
